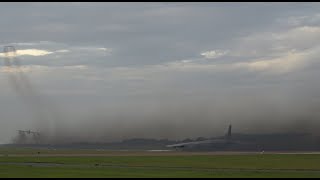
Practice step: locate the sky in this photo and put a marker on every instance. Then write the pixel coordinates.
(107, 71)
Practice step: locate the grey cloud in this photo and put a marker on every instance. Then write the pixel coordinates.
(151, 80)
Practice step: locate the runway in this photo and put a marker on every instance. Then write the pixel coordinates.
(74, 153)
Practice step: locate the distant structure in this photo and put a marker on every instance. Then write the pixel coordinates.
(28, 137)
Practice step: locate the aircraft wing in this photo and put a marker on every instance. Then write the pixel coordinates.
(190, 143)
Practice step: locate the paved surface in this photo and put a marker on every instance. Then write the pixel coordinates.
(144, 153)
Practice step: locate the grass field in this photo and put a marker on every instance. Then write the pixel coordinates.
(138, 164)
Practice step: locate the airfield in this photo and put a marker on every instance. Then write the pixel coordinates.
(31, 162)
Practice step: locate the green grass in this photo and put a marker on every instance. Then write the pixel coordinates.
(260, 165)
(267, 161)
(71, 172)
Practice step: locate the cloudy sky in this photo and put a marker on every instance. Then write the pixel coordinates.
(109, 71)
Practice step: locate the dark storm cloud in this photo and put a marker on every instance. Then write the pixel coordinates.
(167, 70)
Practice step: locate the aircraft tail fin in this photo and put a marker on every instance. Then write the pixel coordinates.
(228, 135)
